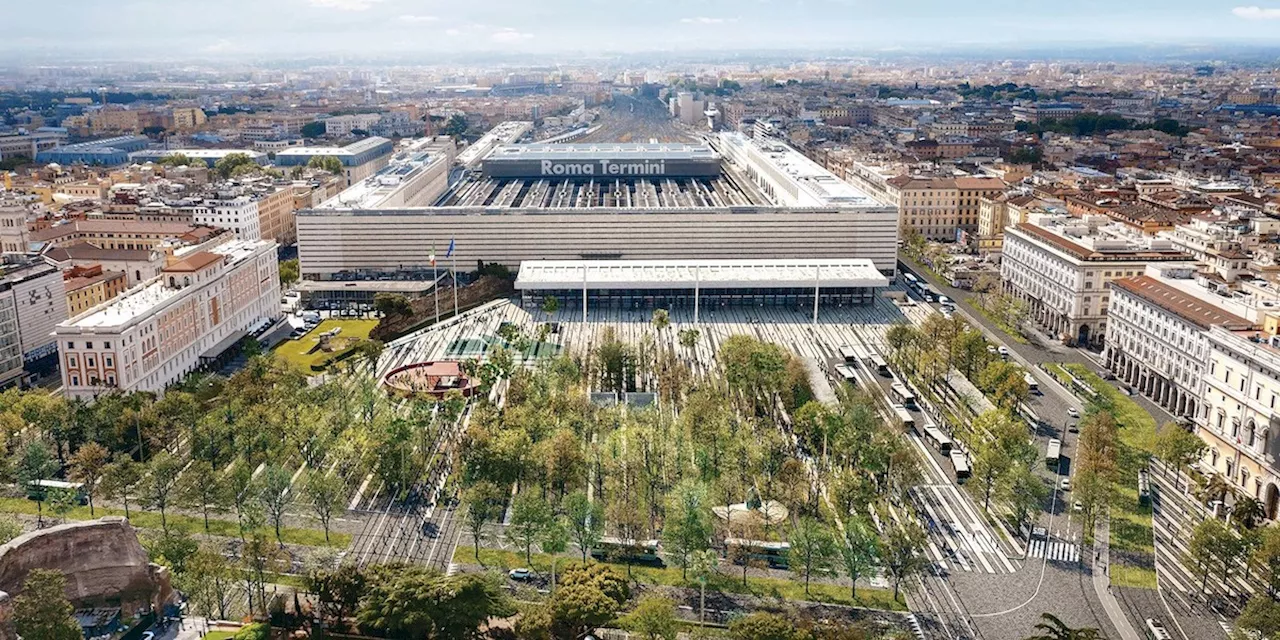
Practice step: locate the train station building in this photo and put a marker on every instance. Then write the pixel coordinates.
(697, 285)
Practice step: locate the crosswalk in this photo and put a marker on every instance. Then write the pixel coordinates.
(1055, 550)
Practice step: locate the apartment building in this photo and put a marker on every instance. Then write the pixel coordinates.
(1241, 423)
(970, 190)
(200, 305)
(123, 234)
(1157, 337)
(926, 205)
(276, 213)
(32, 303)
(189, 118)
(344, 125)
(1061, 267)
(90, 286)
(238, 215)
(138, 265)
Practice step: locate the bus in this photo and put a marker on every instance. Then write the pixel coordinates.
(742, 551)
(960, 464)
(1032, 386)
(39, 490)
(938, 440)
(847, 374)
(905, 417)
(627, 551)
(850, 354)
(902, 395)
(879, 364)
(911, 280)
(1052, 455)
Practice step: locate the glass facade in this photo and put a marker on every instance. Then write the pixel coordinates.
(707, 298)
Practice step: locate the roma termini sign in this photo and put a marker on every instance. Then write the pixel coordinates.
(573, 168)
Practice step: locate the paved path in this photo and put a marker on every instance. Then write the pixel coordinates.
(1102, 582)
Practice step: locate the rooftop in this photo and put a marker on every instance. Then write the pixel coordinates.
(620, 151)
(1194, 309)
(685, 274)
(352, 149)
(1088, 241)
(143, 300)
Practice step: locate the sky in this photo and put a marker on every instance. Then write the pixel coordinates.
(186, 29)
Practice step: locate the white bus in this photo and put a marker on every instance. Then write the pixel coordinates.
(1052, 455)
(902, 395)
(1032, 385)
(960, 464)
(904, 416)
(850, 354)
(879, 364)
(847, 374)
(938, 440)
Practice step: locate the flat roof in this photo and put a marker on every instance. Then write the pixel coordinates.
(348, 150)
(377, 286)
(685, 274)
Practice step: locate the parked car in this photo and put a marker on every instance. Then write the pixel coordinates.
(520, 574)
(1004, 351)
(1073, 412)
(1065, 485)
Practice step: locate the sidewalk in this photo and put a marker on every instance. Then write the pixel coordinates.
(1102, 581)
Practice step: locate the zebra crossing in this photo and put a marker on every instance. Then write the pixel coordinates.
(1055, 550)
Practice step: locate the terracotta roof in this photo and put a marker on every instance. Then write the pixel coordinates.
(1180, 303)
(195, 261)
(86, 251)
(74, 284)
(981, 184)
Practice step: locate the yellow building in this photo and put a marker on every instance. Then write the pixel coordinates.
(188, 119)
(90, 286)
(276, 216)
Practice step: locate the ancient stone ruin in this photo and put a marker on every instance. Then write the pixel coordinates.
(104, 564)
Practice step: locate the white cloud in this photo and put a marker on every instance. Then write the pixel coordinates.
(452, 32)
(1256, 13)
(346, 5)
(706, 20)
(509, 35)
(222, 46)
(412, 19)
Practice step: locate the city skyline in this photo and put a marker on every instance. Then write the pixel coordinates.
(241, 28)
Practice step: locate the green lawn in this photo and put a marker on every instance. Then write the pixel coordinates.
(730, 582)
(219, 635)
(295, 351)
(1131, 531)
(151, 520)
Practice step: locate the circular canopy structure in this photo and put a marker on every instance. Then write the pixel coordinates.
(429, 380)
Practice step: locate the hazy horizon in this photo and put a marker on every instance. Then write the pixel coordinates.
(184, 29)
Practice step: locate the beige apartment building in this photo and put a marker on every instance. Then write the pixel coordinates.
(188, 119)
(276, 211)
(927, 206)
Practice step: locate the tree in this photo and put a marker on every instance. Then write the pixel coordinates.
(1051, 627)
(313, 129)
(703, 564)
(1266, 555)
(1248, 512)
(407, 601)
(35, 463)
(158, 487)
(391, 305)
(860, 551)
(813, 552)
(553, 542)
(87, 466)
(530, 516)
(201, 488)
(207, 582)
(1178, 447)
(904, 556)
(653, 618)
(119, 479)
(62, 501)
(326, 163)
(550, 305)
(585, 520)
(42, 611)
(762, 626)
(288, 272)
(1024, 491)
(274, 495)
(661, 319)
(327, 493)
(484, 505)
(1209, 548)
(227, 165)
(589, 596)
(688, 525)
(1261, 616)
(689, 338)
(457, 126)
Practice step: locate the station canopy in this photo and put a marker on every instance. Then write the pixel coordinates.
(707, 274)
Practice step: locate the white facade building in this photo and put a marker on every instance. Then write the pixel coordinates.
(1158, 334)
(238, 215)
(1060, 266)
(154, 334)
(343, 125)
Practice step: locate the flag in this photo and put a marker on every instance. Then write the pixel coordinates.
(449, 253)
(432, 259)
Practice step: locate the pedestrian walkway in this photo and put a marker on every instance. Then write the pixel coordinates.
(1055, 550)
(1102, 582)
